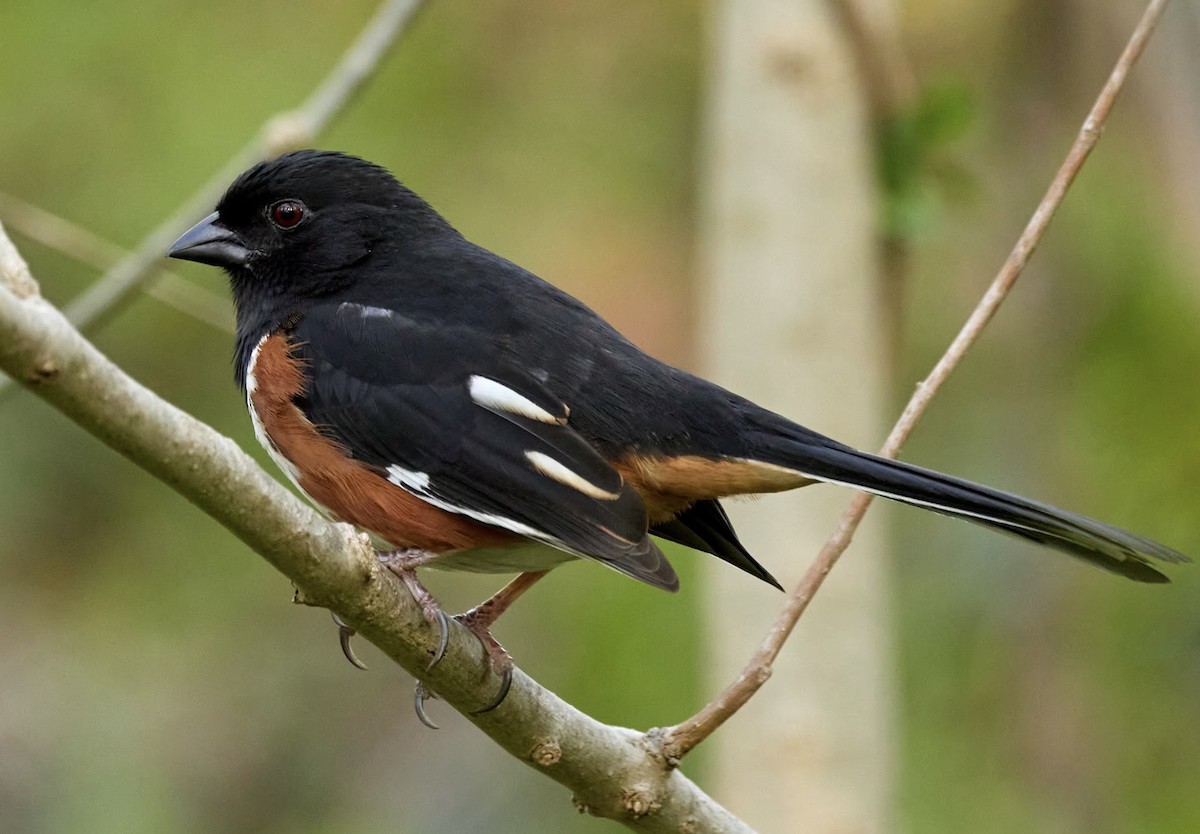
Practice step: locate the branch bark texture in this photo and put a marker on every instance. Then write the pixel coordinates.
(89, 248)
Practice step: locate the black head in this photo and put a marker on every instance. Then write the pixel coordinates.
(295, 227)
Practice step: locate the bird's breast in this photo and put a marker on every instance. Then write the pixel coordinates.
(343, 488)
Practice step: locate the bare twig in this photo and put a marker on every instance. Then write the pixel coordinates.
(680, 739)
(284, 131)
(281, 132)
(85, 246)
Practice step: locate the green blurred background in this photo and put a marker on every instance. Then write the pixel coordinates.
(155, 677)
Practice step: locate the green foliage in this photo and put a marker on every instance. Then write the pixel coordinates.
(918, 167)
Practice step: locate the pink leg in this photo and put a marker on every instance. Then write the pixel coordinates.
(404, 563)
(479, 620)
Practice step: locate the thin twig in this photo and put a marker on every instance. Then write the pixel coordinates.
(85, 246)
(281, 132)
(680, 739)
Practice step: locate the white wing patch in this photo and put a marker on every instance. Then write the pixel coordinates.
(418, 484)
(491, 394)
(552, 468)
(366, 311)
(408, 479)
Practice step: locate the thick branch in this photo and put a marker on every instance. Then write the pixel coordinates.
(683, 737)
(612, 771)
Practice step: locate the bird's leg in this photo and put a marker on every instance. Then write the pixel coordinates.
(404, 564)
(481, 618)
(479, 621)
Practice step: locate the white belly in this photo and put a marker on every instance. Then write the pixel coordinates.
(516, 558)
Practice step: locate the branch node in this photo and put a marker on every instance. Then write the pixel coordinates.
(640, 800)
(45, 371)
(546, 752)
(657, 742)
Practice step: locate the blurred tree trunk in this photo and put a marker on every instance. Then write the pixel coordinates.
(791, 318)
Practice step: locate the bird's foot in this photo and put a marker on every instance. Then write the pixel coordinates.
(500, 659)
(479, 620)
(403, 563)
(345, 632)
(405, 559)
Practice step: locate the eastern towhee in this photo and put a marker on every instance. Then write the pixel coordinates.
(470, 416)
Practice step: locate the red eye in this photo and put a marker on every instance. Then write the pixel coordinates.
(287, 214)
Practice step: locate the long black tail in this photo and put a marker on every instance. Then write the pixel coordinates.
(1111, 548)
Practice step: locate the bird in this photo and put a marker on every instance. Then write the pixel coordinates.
(468, 415)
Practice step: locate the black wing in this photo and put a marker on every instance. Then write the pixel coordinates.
(439, 412)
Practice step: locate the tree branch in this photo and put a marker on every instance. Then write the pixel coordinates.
(613, 772)
(683, 737)
(284, 131)
(85, 246)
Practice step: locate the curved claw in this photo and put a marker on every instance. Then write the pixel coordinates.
(443, 640)
(505, 685)
(420, 696)
(345, 632)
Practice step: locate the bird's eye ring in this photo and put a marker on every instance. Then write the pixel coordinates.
(287, 214)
